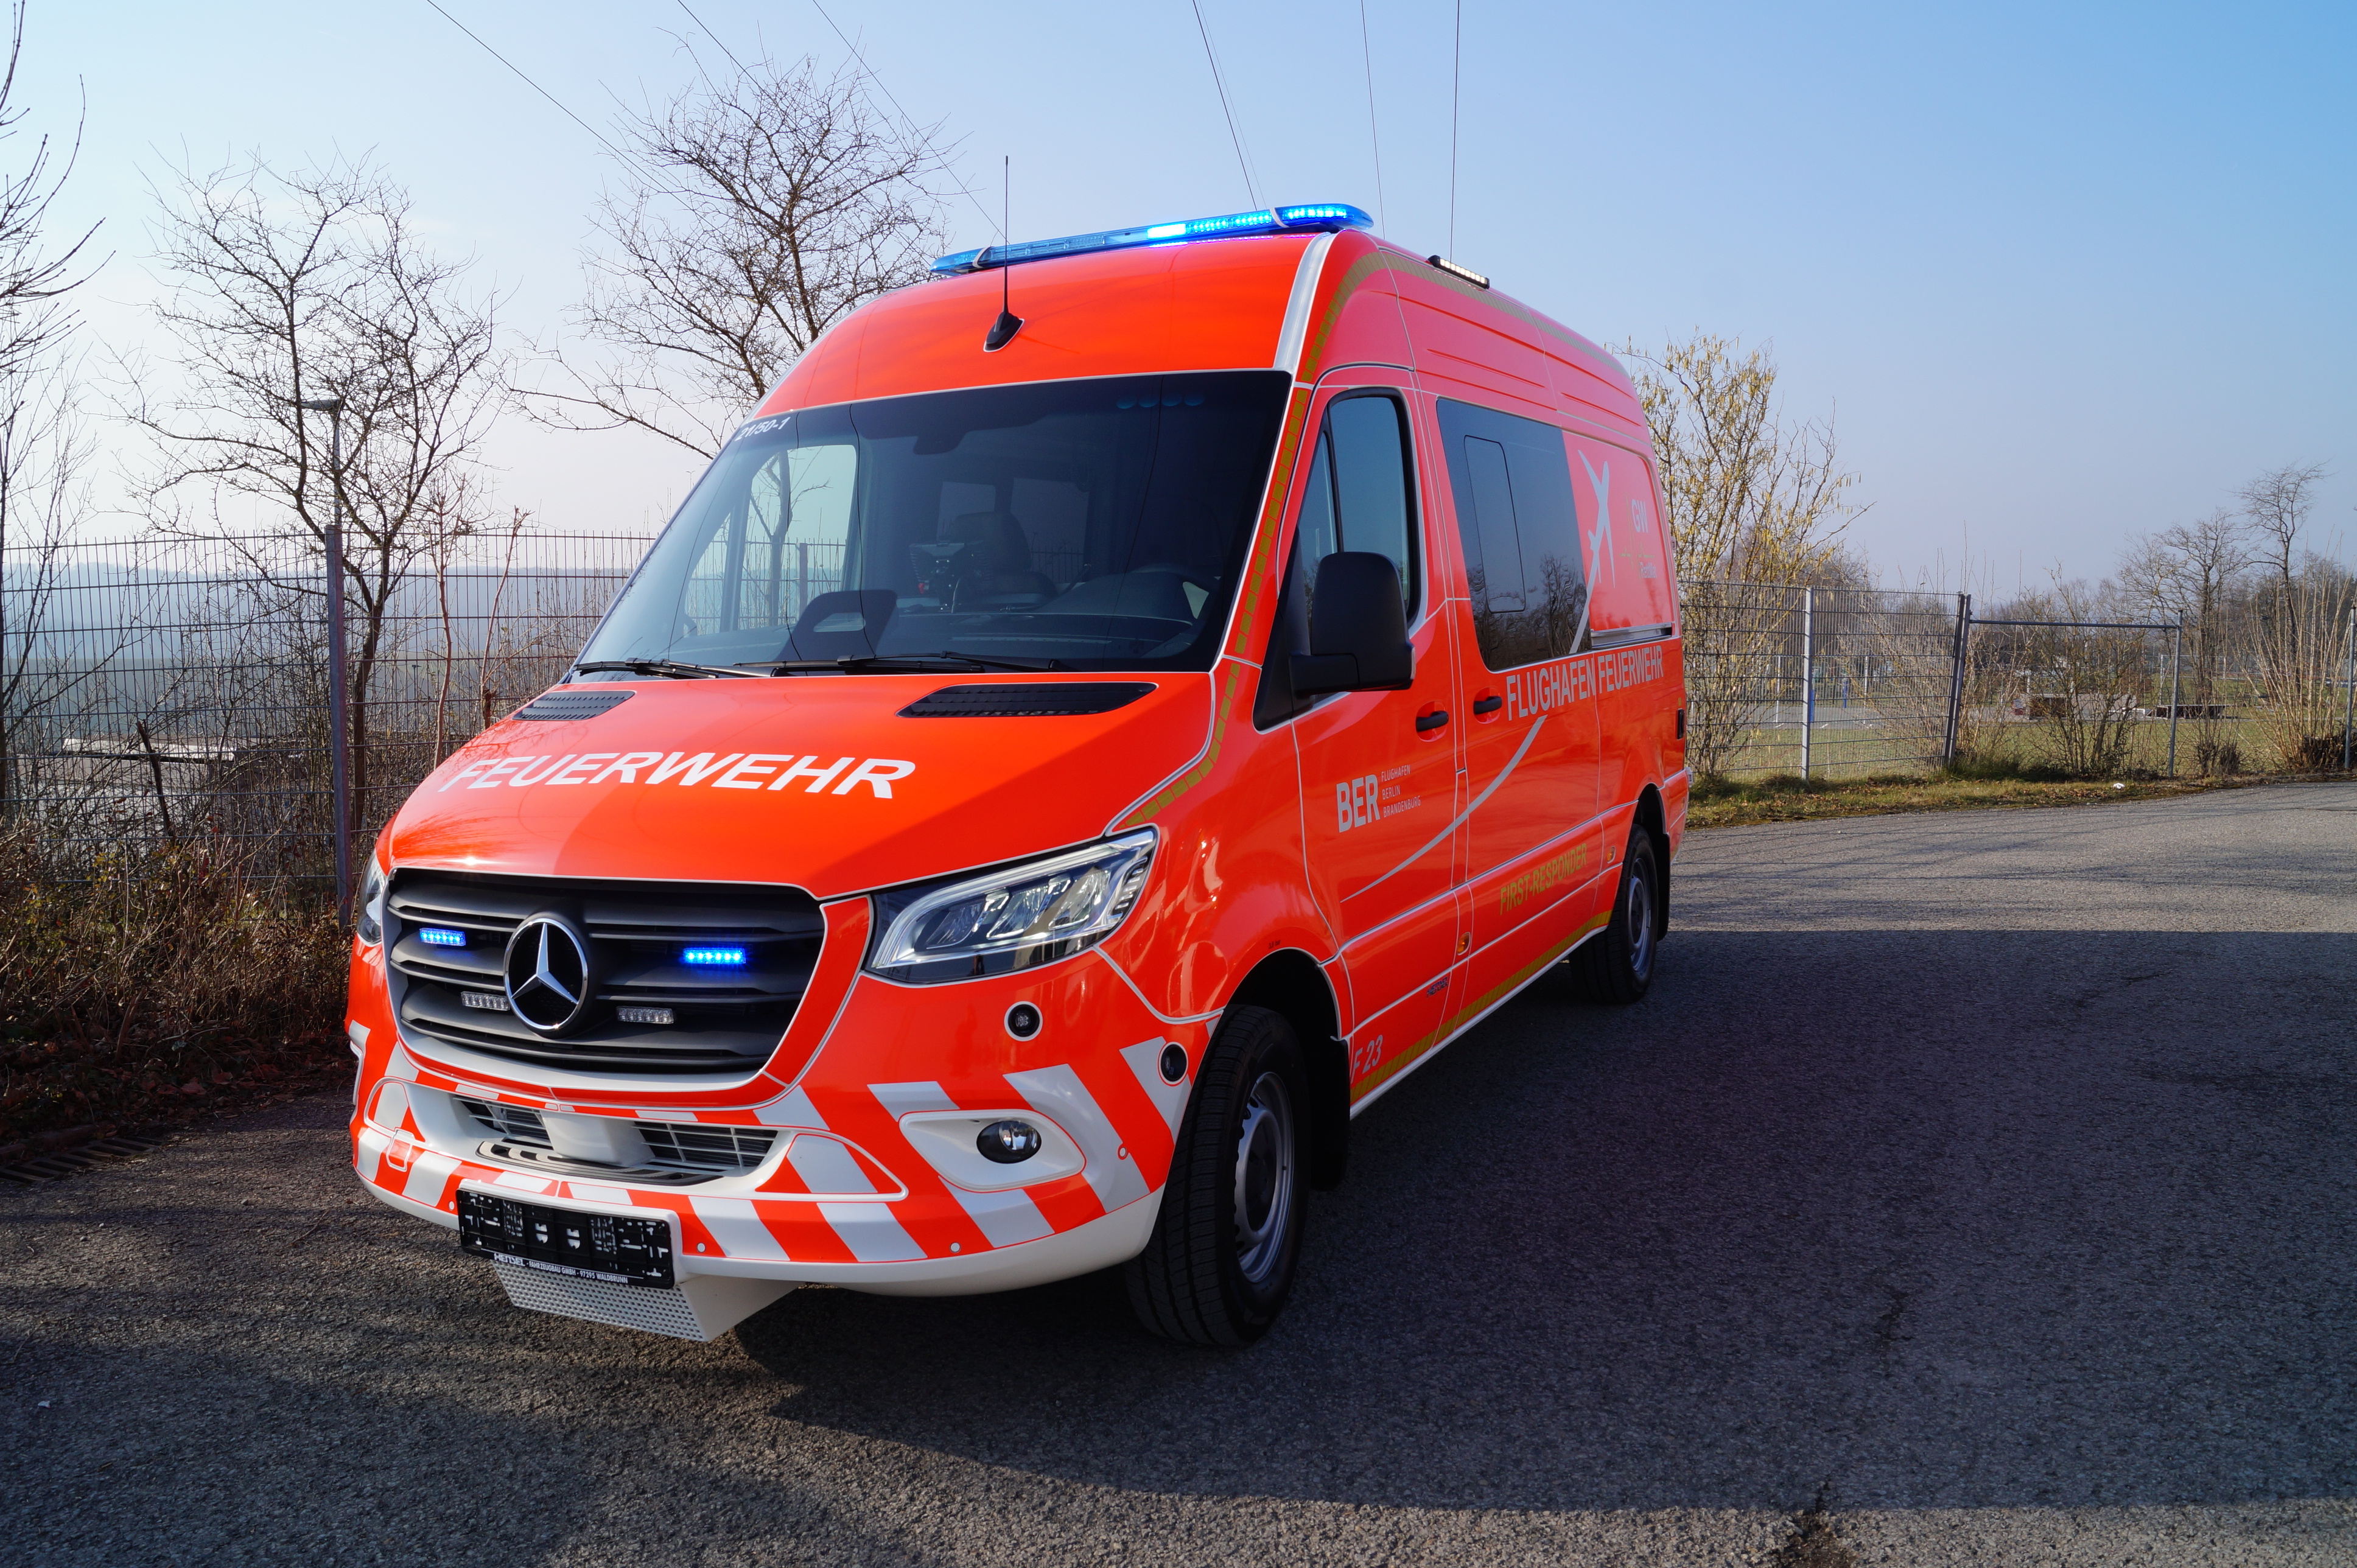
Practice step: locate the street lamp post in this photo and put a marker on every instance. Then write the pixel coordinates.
(340, 785)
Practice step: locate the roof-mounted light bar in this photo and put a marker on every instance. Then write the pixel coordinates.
(1308, 218)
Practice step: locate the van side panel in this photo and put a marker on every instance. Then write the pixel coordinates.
(1460, 339)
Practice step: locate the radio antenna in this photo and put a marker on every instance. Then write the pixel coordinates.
(1003, 330)
(1456, 88)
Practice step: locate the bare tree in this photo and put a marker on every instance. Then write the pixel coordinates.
(1755, 506)
(288, 288)
(2186, 574)
(754, 214)
(33, 280)
(2276, 505)
(2298, 624)
(45, 453)
(45, 450)
(1749, 496)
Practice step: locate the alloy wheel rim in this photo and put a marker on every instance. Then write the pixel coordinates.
(1264, 1197)
(1639, 917)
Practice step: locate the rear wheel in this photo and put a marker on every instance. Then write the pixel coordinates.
(1617, 964)
(1220, 1262)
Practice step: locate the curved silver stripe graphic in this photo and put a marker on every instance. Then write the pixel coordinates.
(1460, 820)
(1294, 329)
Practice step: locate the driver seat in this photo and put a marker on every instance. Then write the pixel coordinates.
(997, 563)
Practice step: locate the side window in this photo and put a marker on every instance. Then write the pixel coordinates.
(1359, 496)
(1370, 478)
(1511, 479)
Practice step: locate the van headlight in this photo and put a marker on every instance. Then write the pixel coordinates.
(1029, 915)
(369, 919)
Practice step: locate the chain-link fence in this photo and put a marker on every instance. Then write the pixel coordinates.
(159, 694)
(1847, 682)
(1818, 682)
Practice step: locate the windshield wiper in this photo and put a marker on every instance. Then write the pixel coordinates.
(919, 662)
(671, 668)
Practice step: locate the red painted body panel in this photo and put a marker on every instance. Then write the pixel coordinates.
(963, 792)
(1427, 876)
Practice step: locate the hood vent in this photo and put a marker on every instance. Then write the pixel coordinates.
(556, 707)
(1014, 699)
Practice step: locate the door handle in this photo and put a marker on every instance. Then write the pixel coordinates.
(1487, 706)
(1432, 720)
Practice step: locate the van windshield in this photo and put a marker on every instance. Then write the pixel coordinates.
(1093, 524)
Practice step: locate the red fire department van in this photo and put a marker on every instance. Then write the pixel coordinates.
(1116, 710)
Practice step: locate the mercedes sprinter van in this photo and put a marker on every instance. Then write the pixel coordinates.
(1114, 711)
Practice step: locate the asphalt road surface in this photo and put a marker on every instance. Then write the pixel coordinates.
(1973, 1189)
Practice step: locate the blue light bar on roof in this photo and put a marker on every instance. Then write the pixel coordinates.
(1308, 218)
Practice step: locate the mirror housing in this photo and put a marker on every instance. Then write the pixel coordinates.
(1358, 631)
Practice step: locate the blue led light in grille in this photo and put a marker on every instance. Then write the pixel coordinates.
(441, 937)
(714, 958)
(1304, 218)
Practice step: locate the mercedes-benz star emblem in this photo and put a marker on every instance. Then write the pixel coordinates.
(547, 972)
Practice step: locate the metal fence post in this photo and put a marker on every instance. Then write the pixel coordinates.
(1956, 679)
(1808, 674)
(2176, 689)
(2349, 721)
(339, 762)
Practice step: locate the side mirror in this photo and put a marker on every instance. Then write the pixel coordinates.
(1358, 632)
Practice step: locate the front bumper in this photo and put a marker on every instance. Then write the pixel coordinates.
(1099, 1243)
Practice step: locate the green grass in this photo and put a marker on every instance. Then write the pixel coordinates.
(1788, 798)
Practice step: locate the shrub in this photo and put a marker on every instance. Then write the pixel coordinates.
(154, 980)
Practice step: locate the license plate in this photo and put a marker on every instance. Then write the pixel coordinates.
(622, 1249)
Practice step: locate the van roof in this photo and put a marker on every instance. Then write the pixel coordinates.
(1289, 301)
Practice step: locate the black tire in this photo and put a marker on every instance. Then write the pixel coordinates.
(1617, 964)
(1220, 1262)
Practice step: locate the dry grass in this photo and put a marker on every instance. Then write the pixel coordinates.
(152, 987)
(1784, 798)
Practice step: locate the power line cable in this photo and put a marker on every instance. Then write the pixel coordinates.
(906, 118)
(1455, 87)
(716, 39)
(1367, 53)
(537, 87)
(1233, 134)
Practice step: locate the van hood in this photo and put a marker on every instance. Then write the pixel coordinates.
(819, 781)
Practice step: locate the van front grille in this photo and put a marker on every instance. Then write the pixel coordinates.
(724, 1019)
(705, 1146)
(676, 1145)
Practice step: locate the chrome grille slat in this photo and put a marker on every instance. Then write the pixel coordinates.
(516, 1123)
(705, 1145)
(725, 1022)
(708, 1147)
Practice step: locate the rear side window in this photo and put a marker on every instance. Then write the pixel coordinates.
(1511, 479)
(1359, 496)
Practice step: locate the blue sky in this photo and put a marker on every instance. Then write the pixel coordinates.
(2066, 273)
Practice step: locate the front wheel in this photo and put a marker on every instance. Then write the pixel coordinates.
(1220, 1264)
(1617, 964)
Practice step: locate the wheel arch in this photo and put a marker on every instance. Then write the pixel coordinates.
(1289, 983)
(1654, 820)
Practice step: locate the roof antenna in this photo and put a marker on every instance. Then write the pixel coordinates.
(1003, 330)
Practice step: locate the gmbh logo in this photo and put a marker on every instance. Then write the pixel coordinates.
(548, 973)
